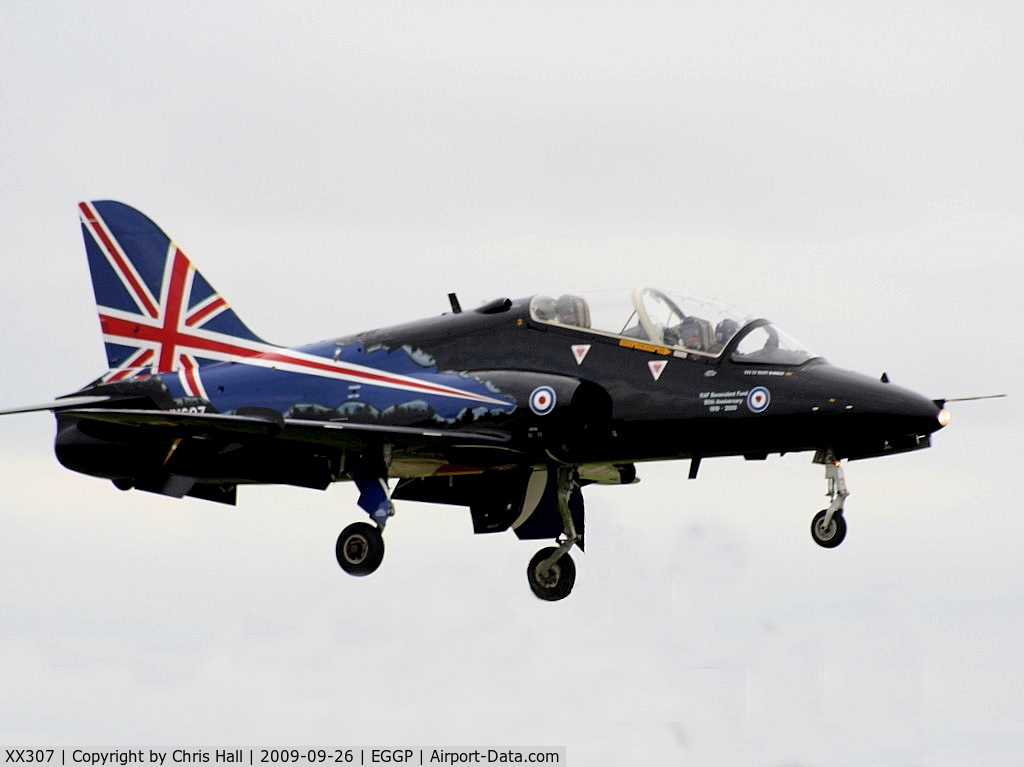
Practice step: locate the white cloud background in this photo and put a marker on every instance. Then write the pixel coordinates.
(851, 170)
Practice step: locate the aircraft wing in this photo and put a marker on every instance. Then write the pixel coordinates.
(344, 433)
(185, 424)
(270, 424)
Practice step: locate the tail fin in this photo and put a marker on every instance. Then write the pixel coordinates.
(157, 312)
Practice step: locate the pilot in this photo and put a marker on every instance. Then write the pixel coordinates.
(692, 333)
(544, 307)
(565, 310)
(572, 310)
(724, 331)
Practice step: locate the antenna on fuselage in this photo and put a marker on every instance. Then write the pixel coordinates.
(454, 301)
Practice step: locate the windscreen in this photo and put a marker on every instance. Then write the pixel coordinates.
(767, 344)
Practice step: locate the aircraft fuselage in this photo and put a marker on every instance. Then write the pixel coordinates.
(619, 402)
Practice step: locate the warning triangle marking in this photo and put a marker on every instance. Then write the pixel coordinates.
(657, 368)
(579, 351)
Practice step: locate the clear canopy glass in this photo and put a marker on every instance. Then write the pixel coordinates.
(686, 323)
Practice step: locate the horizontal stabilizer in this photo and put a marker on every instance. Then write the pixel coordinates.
(57, 404)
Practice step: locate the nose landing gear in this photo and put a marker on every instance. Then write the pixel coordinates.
(828, 534)
(828, 527)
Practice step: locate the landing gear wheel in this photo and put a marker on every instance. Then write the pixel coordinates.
(832, 535)
(360, 549)
(557, 582)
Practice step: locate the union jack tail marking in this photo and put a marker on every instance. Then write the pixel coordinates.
(159, 315)
(157, 312)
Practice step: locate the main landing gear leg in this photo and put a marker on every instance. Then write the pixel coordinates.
(552, 572)
(375, 499)
(828, 528)
(360, 547)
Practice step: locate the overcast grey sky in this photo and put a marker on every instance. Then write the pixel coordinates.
(852, 171)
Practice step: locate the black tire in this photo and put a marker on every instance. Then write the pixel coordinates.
(557, 582)
(360, 549)
(831, 536)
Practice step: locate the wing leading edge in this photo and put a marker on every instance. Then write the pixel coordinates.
(271, 424)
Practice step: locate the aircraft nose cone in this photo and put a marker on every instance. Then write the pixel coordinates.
(908, 409)
(920, 411)
(873, 417)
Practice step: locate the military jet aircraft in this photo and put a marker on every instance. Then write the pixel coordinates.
(509, 409)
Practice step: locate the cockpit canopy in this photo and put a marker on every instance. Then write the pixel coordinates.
(696, 326)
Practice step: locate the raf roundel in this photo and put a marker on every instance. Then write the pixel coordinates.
(759, 399)
(542, 400)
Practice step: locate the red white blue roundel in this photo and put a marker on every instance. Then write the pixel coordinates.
(542, 400)
(758, 399)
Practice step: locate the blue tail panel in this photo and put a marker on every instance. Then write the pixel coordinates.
(157, 312)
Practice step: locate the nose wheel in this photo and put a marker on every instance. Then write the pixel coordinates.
(828, 534)
(828, 527)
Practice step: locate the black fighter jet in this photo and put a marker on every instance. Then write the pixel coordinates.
(509, 409)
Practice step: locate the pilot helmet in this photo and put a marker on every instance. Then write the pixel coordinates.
(567, 308)
(544, 308)
(725, 330)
